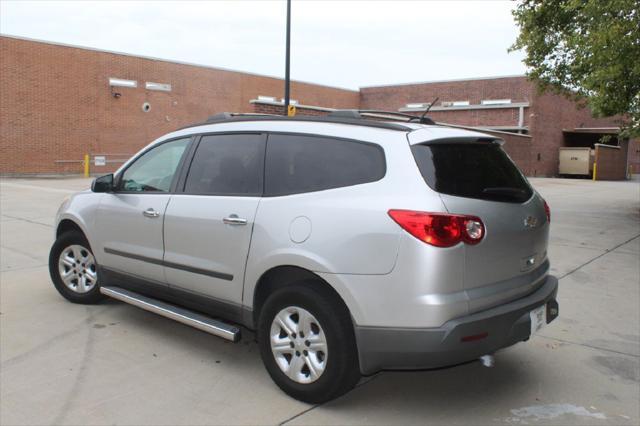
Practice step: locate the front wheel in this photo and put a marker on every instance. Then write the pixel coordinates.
(73, 269)
(307, 343)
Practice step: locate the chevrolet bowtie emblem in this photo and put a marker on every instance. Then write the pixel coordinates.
(530, 222)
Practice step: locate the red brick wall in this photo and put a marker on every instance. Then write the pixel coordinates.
(634, 156)
(55, 102)
(519, 149)
(481, 117)
(611, 162)
(262, 108)
(547, 115)
(551, 113)
(392, 98)
(518, 89)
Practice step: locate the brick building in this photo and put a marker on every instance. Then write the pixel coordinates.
(511, 104)
(56, 102)
(60, 102)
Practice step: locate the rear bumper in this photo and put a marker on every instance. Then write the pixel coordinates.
(410, 348)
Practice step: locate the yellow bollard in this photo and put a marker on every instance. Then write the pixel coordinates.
(86, 165)
(594, 170)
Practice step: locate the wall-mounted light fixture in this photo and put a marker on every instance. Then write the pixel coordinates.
(495, 101)
(163, 87)
(120, 82)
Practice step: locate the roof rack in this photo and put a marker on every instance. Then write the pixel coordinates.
(338, 116)
(223, 116)
(374, 113)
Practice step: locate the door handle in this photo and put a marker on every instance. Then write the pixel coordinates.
(234, 220)
(150, 213)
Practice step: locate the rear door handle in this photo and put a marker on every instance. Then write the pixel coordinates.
(234, 220)
(150, 213)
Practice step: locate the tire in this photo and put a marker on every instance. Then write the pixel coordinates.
(80, 284)
(326, 318)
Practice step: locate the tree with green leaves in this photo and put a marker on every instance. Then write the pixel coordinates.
(587, 49)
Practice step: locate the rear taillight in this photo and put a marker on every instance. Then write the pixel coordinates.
(547, 210)
(440, 229)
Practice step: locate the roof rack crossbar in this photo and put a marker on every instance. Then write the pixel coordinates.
(223, 116)
(363, 113)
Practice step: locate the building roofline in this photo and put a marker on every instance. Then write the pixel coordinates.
(446, 81)
(171, 61)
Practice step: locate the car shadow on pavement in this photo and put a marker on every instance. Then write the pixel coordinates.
(445, 393)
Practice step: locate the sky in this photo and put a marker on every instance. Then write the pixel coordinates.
(348, 44)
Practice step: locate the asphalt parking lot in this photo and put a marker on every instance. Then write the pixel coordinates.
(115, 364)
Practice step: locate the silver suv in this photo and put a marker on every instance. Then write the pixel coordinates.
(350, 245)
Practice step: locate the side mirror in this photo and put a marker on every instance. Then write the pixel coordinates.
(103, 183)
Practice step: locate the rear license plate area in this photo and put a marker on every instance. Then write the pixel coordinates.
(538, 318)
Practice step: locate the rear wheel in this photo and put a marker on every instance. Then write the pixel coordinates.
(307, 343)
(73, 269)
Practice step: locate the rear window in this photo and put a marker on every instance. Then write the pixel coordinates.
(296, 164)
(472, 170)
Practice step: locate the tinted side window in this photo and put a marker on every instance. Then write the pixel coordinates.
(153, 171)
(227, 165)
(472, 170)
(298, 164)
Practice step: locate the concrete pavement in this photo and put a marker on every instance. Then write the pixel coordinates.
(114, 364)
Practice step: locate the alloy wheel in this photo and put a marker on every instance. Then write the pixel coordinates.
(77, 268)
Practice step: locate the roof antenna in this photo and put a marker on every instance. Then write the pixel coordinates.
(427, 110)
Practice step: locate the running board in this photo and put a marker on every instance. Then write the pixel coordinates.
(201, 322)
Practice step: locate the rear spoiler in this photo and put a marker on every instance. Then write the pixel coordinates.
(432, 135)
(463, 140)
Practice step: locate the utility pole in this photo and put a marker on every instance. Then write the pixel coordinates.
(287, 60)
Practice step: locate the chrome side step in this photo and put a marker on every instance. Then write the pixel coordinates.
(199, 321)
